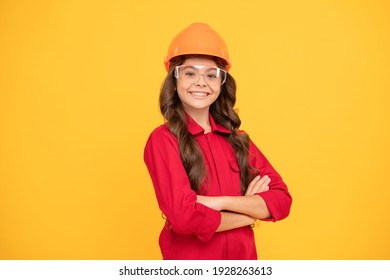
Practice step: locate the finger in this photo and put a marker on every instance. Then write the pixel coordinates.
(266, 183)
(263, 188)
(262, 181)
(262, 184)
(252, 184)
(255, 180)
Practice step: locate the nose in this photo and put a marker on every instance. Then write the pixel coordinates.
(201, 81)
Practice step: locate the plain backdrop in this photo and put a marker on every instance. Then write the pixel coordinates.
(79, 84)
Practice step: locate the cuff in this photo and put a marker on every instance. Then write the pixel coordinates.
(210, 223)
(271, 201)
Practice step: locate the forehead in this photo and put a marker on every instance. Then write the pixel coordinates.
(200, 60)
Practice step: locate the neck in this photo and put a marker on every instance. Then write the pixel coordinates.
(201, 117)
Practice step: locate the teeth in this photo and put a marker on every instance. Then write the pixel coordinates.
(201, 94)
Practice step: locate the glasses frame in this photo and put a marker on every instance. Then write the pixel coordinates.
(219, 70)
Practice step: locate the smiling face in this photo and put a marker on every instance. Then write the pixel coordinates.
(198, 96)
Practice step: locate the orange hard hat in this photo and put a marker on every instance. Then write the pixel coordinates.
(198, 38)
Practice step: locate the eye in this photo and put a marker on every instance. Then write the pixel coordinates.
(189, 72)
(212, 74)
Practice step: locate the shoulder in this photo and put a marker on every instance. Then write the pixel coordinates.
(161, 135)
(242, 132)
(161, 145)
(253, 149)
(161, 131)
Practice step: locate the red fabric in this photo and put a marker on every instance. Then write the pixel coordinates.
(189, 232)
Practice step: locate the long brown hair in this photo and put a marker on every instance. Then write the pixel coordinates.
(223, 114)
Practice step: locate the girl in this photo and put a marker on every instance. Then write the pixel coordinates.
(211, 181)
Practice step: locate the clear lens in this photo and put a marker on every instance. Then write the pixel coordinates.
(213, 76)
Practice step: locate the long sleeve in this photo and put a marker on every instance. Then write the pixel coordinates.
(277, 198)
(175, 197)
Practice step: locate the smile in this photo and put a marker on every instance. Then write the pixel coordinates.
(199, 93)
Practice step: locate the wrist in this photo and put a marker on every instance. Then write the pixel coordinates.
(224, 202)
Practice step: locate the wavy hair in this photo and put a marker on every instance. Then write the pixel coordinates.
(223, 114)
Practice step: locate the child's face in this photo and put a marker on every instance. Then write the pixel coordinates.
(198, 94)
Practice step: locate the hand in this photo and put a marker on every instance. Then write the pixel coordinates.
(258, 185)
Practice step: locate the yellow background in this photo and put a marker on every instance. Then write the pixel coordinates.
(78, 99)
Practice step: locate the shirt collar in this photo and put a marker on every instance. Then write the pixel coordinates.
(194, 128)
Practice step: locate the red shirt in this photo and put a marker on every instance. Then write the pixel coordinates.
(189, 232)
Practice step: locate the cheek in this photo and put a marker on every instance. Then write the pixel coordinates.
(217, 92)
(181, 91)
(181, 87)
